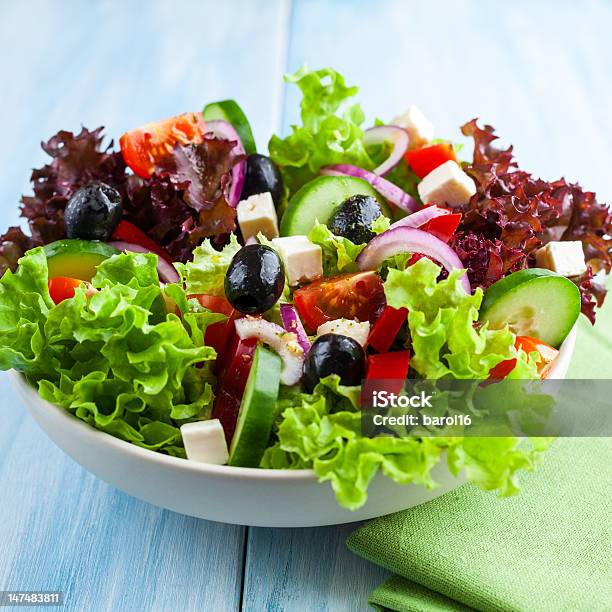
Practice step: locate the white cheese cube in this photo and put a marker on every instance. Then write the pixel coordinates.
(303, 260)
(419, 128)
(565, 257)
(205, 442)
(447, 184)
(257, 214)
(346, 327)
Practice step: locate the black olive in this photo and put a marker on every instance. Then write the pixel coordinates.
(354, 218)
(262, 175)
(334, 354)
(255, 279)
(93, 212)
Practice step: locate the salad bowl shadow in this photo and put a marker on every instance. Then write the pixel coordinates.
(245, 496)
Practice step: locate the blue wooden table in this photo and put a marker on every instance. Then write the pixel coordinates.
(540, 72)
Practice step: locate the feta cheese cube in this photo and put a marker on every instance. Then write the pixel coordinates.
(257, 214)
(302, 259)
(565, 257)
(447, 184)
(419, 128)
(346, 327)
(205, 442)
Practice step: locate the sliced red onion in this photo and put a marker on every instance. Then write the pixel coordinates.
(292, 323)
(167, 273)
(410, 240)
(225, 130)
(388, 133)
(386, 189)
(421, 217)
(283, 342)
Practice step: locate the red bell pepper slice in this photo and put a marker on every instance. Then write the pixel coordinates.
(128, 232)
(232, 382)
(391, 369)
(443, 227)
(386, 328)
(218, 335)
(424, 160)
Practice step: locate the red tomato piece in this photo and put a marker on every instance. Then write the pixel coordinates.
(391, 369)
(547, 353)
(128, 232)
(350, 296)
(386, 328)
(143, 148)
(424, 160)
(62, 288)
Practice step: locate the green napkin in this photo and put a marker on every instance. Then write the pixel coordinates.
(549, 548)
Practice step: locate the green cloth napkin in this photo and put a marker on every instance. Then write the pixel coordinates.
(549, 548)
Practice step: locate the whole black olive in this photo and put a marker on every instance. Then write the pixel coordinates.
(334, 354)
(354, 218)
(255, 279)
(93, 212)
(262, 175)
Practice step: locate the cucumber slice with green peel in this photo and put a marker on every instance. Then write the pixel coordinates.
(533, 302)
(257, 410)
(320, 198)
(76, 258)
(230, 111)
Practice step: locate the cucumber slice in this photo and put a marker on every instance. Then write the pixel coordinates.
(76, 258)
(229, 111)
(534, 302)
(257, 410)
(320, 198)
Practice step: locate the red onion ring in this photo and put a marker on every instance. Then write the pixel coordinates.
(410, 240)
(386, 189)
(223, 129)
(388, 133)
(166, 271)
(292, 323)
(420, 217)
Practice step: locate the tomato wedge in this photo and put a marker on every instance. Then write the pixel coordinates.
(350, 296)
(62, 288)
(547, 353)
(128, 232)
(144, 147)
(424, 160)
(386, 328)
(218, 335)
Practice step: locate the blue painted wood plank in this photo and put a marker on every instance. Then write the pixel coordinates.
(292, 570)
(539, 72)
(119, 65)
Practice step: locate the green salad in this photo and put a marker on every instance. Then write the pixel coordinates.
(194, 297)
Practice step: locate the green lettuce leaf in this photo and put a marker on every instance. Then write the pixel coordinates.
(206, 273)
(325, 136)
(442, 319)
(116, 359)
(339, 253)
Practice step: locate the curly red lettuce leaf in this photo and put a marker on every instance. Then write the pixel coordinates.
(182, 204)
(75, 161)
(184, 201)
(512, 213)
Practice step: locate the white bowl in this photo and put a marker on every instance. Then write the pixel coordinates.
(244, 496)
